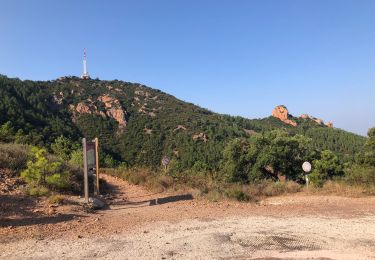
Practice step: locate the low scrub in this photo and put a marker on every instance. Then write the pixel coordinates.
(14, 156)
(342, 188)
(55, 199)
(237, 193)
(206, 185)
(36, 191)
(360, 176)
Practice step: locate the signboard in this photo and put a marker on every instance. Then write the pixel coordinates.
(165, 161)
(306, 166)
(90, 165)
(91, 156)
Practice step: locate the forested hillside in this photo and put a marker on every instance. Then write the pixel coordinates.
(138, 125)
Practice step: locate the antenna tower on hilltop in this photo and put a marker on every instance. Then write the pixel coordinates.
(85, 74)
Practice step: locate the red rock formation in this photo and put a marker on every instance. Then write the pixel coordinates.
(329, 124)
(281, 112)
(317, 120)
(113, 109)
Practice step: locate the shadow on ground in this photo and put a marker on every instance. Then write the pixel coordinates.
(28, 221)
(20, 210)
(151, 202)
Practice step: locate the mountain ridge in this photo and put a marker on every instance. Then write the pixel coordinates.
(138, 124)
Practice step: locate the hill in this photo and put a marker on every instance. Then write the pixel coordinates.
(138, 125)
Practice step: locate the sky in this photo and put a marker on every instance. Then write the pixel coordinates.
(241, 57)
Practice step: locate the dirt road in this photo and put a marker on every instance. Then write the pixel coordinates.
(143, 225)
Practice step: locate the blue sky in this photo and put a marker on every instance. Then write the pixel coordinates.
(233, 57)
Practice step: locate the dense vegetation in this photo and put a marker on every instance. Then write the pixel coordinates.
(236, 149)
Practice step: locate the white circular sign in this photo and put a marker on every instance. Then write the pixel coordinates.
(306, 166)
(165, 161)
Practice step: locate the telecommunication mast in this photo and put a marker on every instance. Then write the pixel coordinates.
(85, 74)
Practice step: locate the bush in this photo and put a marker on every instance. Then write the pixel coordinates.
(76, 158)
(274, 189)
(58, 180)
(237, 193)
(13, 156)
(38, 168)
(360, 175)
(55, 199)
(214, 195)
(326, 168)
(44, 171)
(36, 191)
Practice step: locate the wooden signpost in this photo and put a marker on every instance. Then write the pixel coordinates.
(90, 165)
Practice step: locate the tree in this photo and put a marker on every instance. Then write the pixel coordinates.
(76, 158)
(266, 156)
(38, 168)
(6, 132)
(63, 147)
(327, 167)
(369, 148)
(42, 172)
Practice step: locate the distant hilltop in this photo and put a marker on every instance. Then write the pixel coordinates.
(282, 113)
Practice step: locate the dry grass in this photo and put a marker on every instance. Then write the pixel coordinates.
(202, 185)
(341, 188)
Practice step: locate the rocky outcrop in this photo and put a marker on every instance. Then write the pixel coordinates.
(112, 106)
(147, 131)
(114, 110)
(201, 136)
(316, 120)
(329, 124)
(281, 112)
(180, 127)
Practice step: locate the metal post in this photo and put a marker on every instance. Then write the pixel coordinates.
(307, 180)
(97, 164)
(85, 173)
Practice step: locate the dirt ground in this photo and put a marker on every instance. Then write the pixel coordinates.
(145, 225)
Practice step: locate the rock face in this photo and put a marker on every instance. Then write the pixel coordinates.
(317, 120)
(201, 136)
(281, 112)
(114, 109)
(112, 106)
(329, 124)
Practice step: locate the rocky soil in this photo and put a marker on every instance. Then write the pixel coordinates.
(145, 225)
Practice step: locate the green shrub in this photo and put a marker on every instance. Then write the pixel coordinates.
(58, 180)
(62, 147)
(326, 168)
(360, 175)
(13, 156)
(44, 170)
(38, 168)
(36, 191)
(76, 158)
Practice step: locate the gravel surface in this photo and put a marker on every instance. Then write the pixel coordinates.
(144, 225)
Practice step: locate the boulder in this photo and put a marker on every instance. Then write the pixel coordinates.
(96, 203)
